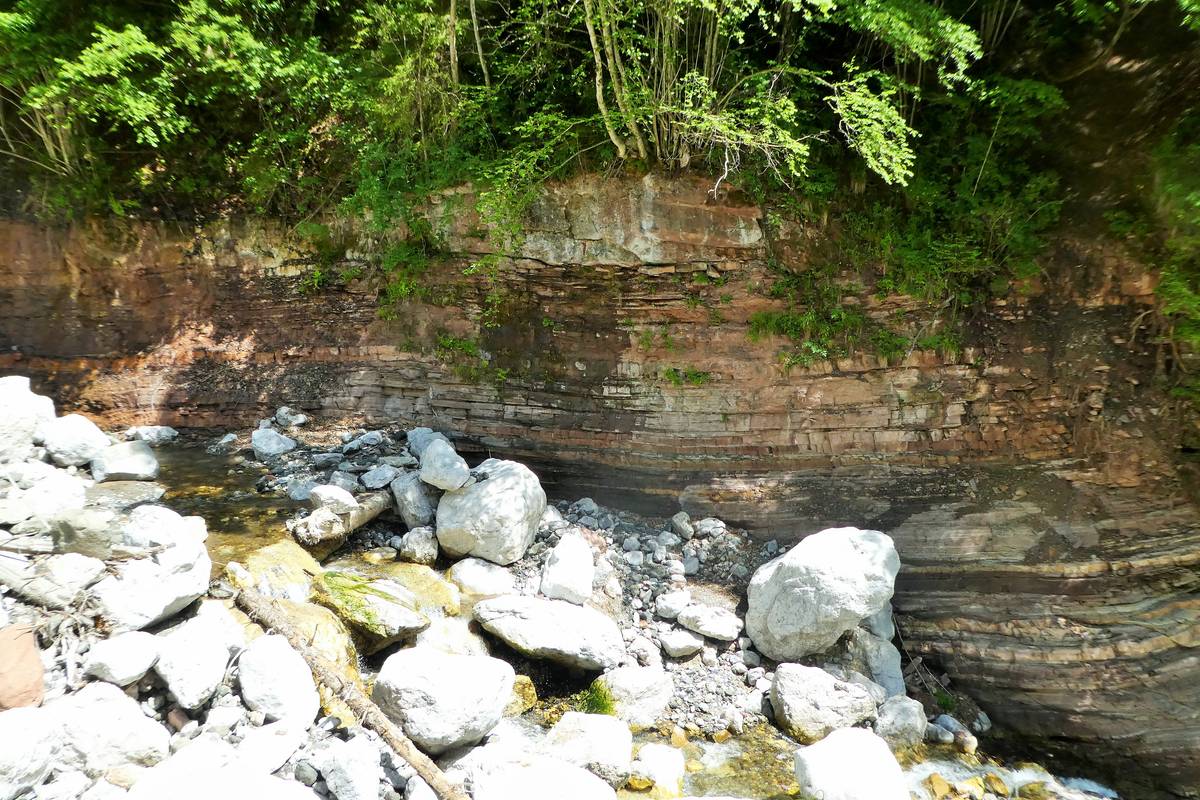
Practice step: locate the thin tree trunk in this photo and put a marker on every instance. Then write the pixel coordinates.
(487, 79)
(606, 32)
(264, 612)
(600, 101)
(454, 41)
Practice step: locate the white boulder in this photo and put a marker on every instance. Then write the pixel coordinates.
(543, 779)
(153, 435)
(660, 766)
(269, 443)
(680, 643)
(276, 680)
(479, 579)
(441, 700)
(442, 467)
(669, 604)
(30, 749)
(193, 656)
(850, 764)
(24, 413)
(101, 727)
(496, 517)
(142, 591)
(878, 659)
(289, 417)
(335, 498)
(809, 702)
(555, 630)
(351, 769)
(125, 461)
(803, 601)
(640, 695)
(901, 722)
(419, 546)
(73, 440)
(601, 744)
(420, 438)
(710, 621)
(123, 658)
(568, 572)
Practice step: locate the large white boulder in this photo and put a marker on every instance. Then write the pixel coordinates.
(442, 700)
(210, 767)
(543, 779)
(555, 630)
(73, 440)
(53, 493)
(601, 744)
(419, 439)
(351, 769)
(125, 461)
(335, 498)
(809, 702)
(850, 764)
(123, 658)
(152, 525)
(496, 517)
(416, 501)
(268, 443)
(659, 766)
(24, 413)
(142, 591)
(193, 656)
(30, 749)
(568, 572)
(275, 679)
(640, 695)
(680, 643)
(710, 621)
(101, 727)
(442, 467)
(803, 601)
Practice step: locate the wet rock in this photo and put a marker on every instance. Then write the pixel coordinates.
(22, 676)
(809, 702)
(269, 443)
(442, 467)
(419, 545)
(24, 413)
(639, 695)
(275, 680)
(443, 701)
(123, 658)
(568, 572)
(901, 722)
(125, 461)
(73, 440)
(964, 740)
(803, 601)
(850, 764)
(480, 580)
(153, 435)
(282, 569)
(225, 444)
(601, 744)
(416, 501)
(31, 745)
(382, 611)
(496, 517)
(555, 630)
(334, 498)
(658, 766)
(710, 621)
(101, 728)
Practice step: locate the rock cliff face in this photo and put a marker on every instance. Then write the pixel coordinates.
(1032, 482)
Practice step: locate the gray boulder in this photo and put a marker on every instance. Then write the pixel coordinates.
(416, 501)
(495, 518)
(269, 443)
(901, 723)
(554, 630)
(421, 438)
(153, 435)
(802, 602)
(379, 476)
(419, 546)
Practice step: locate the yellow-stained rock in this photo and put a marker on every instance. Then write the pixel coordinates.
(282, 569)
(720, 737)
(692, 765)
(971, 787)
(678, 737)
(524, 697)
(433, 591)
(938, 786)
(639, 783)
(995, 784)
(379, 555)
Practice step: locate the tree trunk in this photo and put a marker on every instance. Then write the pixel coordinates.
(454, 41)
(263, 611)
(600, 101)
(487, 79)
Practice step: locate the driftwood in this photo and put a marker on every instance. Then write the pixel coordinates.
(323, 531)
(263, 611)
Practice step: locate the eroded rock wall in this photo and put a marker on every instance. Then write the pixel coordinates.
(1030, 480)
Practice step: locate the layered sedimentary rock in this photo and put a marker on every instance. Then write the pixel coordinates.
(1030, 481)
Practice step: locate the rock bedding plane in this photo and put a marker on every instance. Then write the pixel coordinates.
(146, 680)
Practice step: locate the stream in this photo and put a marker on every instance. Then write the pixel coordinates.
(756, 765)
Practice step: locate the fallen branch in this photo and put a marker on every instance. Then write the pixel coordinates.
(263, 611)
(323, 531)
